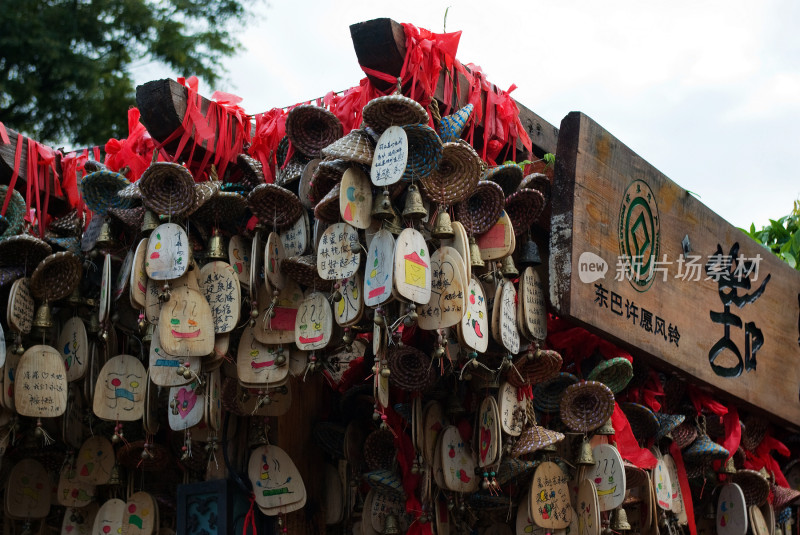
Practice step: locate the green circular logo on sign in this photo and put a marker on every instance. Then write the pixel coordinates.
(639, 235)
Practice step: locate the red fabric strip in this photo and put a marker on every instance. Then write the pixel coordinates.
(686, 491)
(626, 443)
(4, 134)
(733, 431)
(14, 174)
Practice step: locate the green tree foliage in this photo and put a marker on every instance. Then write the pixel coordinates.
(65, 64)
(782, 237)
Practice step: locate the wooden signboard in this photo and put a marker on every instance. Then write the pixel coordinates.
(109, 518)
(189, 406)
(499, 240)
(123, 275)
(663, 485)
(511, 408)
(71, 492)
(433, 421)
(275, 478)
(278, 328)
(255, 362)
(391, 156)
(81, 523)
(458, 462)
(487, 432)
(164, 367)
(588, 509)
(639, 259)
(141, 515)
(19, 315)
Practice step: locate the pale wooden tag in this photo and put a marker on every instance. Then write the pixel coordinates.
(448, 302)
(74, 347)
(275, 478)
(379, 269)
(458, 462)
(496, 307)
(498, 241)
(663, 485)
(79, 521)
(150, 421)
(524, 523)
(214, 401)
(549, 497)
(608, 476)
(433, 421)
(239, 258)
(255, 363)
(190, 406)
(473, 329)
(109, 519)
(94, 461)
(141, 514)
(123, 275)
(349, 309)
(339, 362)
(731, 511)
(168, 252)
(437, 464)
(412, 269)
(152, 303)
(677, 498)
(41, 388)
(757, 521)
(384, 504)
(279, 328)
(338, 252)
(587, 509)
(508, 318)
(92, 232)
(28, 490)
(164, 367)
(487, 431)
(122, 383)
(274, 254)
(313, 325)
(138, 277)
(355, 199)
(381, 388)
(71, 492)
(511, 409)
(20, 306)
(185, 325)
(2, 352)
(220, 286)
(296, 238)
(460, 242)
(533, 301)
(256, 257)
(391, 156)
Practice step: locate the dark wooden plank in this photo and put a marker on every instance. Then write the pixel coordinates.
(609, 205)
(58, 203)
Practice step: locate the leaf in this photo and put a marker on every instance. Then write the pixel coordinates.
(790, 259)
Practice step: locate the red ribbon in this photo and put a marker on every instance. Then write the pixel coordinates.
(250, 518)
(761, 458)
(686, 491)
(134, 152)
(626, 443)
(4, 134)
(14, 174)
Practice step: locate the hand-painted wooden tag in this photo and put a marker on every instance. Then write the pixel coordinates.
(379, 269)
(255, 363)
(381, 389)
(437, 464)
(496, 303)
(460, 242)
(588, 510)
(71, 492)
(186, 406)
(663, 485)
(92, 232)
(164, 367)
(391, 157)
(458, 462)
(533, 304)
(9, 378)
(274, 254)
(275, 478)
(355, 199)
(2, 349)
(256, 257)
(384, 504)
(79, 521)
(524, 523)
(123, 276)
(433, 422)
(20, 306)
(731, 511)
(757, 522)
(549, 499)
(296, 238)
(608, 476)
(338, 252)
(350, 307)
(121, 391)
(220, 286)
(109, 519)
(138, 276)
(412, 267)
(488, 432)
(278, 328)
(168, 252)
(94, 461)
(338, 363)
(239, 258)
(152, 303)
(313, 326)
(150, 418)
(28, 490)
(74, 346)
(448, 300)
(41, 388)
(140, 516)
(105, 290)
(508, 318)
(677, 498)
(213, 415)
(511, 409)
(473, 329)
(498, 241)
(185, 326)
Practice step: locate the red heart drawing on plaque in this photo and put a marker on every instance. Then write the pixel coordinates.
(186, 401)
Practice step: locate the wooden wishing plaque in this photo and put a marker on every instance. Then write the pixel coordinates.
(379, 269)
(255, 362)
(433, 422)
(164, 367)
(40, 384)
(338, 252)
(474, 326)
(588, 510)
(186, 327)
(220, 286)
(105, 289)
(278, 328)
(495, 303)
(498, 241)
(168, 252)
(677, 497)
(256, 257)
(119, 395)
(663, 485)
(140, 516)
(391, 157)
(608, 476)
(412, 268)
(239, 258)
(123, 276)
(313, 325)
(448, 291)
(138, 276)
(384, 504)
(109, 518)
(508, 318)
(275, 478)
(758, 523)
(487, 432)
(190, 406)
(28, 490)
(524, 523)
(152, 303)
(2, 349)
(338, 363)
(73, 344)
(511, 409)
(350, 307)
(531, 296)
(71, 492)
(296, 238)
(355, 199)
(549, 497)
(731, 511)
(274, 255)
(79, 521)
(94, 461)
(20, 306)
(458, 462)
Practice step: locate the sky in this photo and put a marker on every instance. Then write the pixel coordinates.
(706, 91)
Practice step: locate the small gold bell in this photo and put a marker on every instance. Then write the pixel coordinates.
(585, 455)
(75, 298)
(606, 429)
(442, 226)
(43, 321)
(148, 335)
(114, 479)
(382, 206)
(729, 467)
(509, 270)
(149, 223)
(475, 253)
(394, 224)
(391, 526)
(619, 520)
(414, 209)
(215, 250)
(529, 255)
(764, 473)
(106, 239)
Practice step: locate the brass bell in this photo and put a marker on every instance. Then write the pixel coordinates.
(442, 226)
(106, 239)
(585, 455)
(382, 206)
(149, 223)
(393, 224)
(475, 253)
(43, 320)
(114, 479)
(606, 429)
(778, 530)
(75, 299)
(729, 467)
(414, 208)
(619, 520)
(215, 250)
(529, 255)
(391, 526)
(508, 269)
(148, 335)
